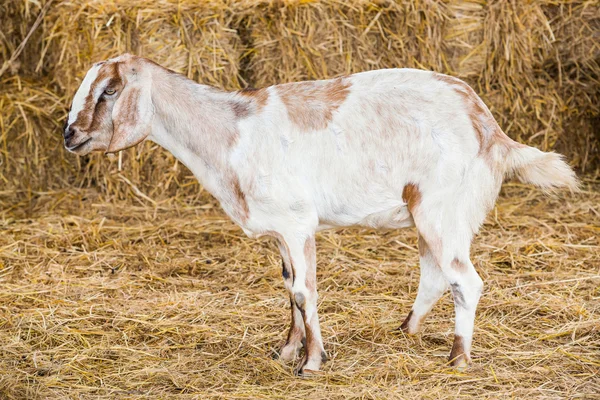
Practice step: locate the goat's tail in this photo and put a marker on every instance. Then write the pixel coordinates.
(547, 170)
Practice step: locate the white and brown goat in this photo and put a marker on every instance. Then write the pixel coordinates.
(381, 149)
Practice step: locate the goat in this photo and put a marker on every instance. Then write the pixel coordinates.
(386, 149)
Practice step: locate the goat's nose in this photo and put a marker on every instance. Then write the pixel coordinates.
(69, 132)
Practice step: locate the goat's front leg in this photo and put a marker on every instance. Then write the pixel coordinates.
(303, 258)
(296, 335)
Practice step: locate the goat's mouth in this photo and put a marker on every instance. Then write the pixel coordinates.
(79, 146)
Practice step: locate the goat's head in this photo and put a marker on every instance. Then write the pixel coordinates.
(112, 109)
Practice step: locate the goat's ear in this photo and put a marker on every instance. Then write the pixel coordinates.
(133, 112)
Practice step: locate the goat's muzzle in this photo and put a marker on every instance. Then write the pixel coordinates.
(74, 139)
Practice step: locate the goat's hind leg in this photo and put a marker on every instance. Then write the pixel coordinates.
(449, 241)
(453, 258)
(466, 286)
(432, 285)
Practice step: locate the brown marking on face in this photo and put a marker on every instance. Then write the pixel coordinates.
(86, 119)
(458, 351)
(100, 116)
(258, 97)
(412, 196)
(310, 105)
(239, 196)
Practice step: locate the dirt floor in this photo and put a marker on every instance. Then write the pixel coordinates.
(100, 299)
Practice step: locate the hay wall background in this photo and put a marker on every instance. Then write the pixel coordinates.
(109, 293)
(535, 63)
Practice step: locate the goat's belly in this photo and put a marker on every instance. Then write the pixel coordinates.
(393, 218)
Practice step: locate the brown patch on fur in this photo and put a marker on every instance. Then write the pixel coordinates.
(241, 110)
(310, 105)
(431, 246)
(423, 247)
(482, 121)
(309, 256)
(479, 115)
(404, 326)
(279, 238)
(412, 196)
(311, 346)
(459, 265)
(458, 351)
(258, 97)
(295, 334)
(240, 198)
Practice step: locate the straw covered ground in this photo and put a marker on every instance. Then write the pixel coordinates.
(113, 300)
(122, 278)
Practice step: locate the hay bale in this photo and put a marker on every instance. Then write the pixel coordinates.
(535, 63)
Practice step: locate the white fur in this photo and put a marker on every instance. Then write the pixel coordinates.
(82, 93)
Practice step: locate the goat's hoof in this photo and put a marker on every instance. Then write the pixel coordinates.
(460, 363)
(310, 367)
(288, 353)
(409, 326)
(306, 373)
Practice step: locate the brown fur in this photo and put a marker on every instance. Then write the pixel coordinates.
(241, 110)
(309, 255)
(423, 247)
(412, 196)
(459, 265)
(458, 351)
(311, 346)
(295, 334)
(310, 105)
(482, 121)
(240, 198)
(100, 116)
(259, 97)
(86, 117)
(279, 238)
(407, 321)
(404, 326)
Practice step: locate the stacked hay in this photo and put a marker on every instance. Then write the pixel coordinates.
(139, 298)
(535, 63)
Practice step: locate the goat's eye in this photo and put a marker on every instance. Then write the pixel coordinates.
(109, 91)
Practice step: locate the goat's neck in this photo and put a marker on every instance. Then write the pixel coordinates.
(197, 124)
